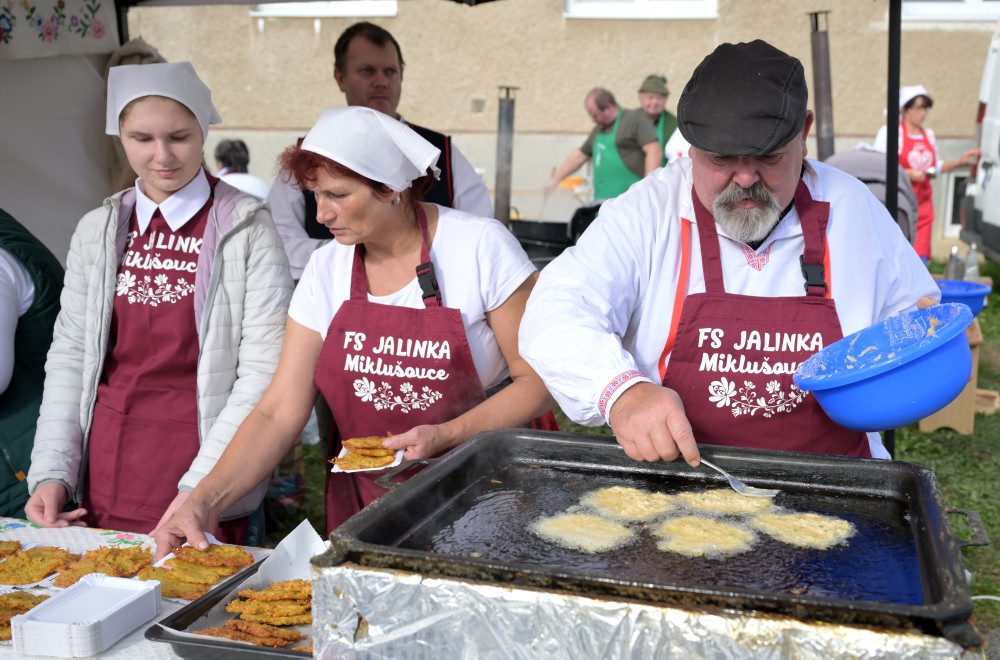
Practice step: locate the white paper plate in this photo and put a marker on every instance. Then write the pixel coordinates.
(395, 461)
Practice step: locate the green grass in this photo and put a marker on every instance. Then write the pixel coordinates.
(967, 467)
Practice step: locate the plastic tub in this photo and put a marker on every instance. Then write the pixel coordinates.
(972, 294)
(892, 373)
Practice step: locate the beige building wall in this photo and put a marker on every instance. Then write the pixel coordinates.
(271, 77)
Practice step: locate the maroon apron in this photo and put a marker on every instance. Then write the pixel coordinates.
(144, 430)
(385, 369)
(732, 358)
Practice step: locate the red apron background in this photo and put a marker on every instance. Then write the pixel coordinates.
(144, 433)
(732, 359)
(920, 155)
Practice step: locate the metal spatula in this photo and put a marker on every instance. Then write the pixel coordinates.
(741, 487)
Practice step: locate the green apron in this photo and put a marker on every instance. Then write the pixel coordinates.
(665, 127)
(611, 176)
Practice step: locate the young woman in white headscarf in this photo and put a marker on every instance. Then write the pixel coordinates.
(172, 314)
(404, 322)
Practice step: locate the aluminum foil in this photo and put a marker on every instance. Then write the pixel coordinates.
(361, 612)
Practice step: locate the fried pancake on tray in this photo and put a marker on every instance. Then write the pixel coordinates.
(116, 562)
(27, 566)
(239, 635)
(725, 500)
(9, 547)
(696, 536)
(358, 462)
(805, 530)
(294, 620)
(263, 630)
(170, 586)
(197, 573)
(303, 592)
(629, 504)
(368, 442)
(216, 555)
(305, 648)
(269, 607)
(581, 531)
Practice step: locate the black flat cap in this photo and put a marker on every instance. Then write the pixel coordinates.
(745, 99)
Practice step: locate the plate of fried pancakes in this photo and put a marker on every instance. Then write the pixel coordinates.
(365, 454)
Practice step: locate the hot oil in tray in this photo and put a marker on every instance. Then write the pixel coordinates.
(878, 563)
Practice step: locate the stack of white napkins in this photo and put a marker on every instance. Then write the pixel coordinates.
(86, 618)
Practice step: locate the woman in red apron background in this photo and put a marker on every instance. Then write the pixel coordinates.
(402, 322)
(919, 157)
(139, 327)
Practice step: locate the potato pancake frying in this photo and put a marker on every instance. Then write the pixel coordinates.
(368, 442)
(170, 586)
(197, 573)
(116, 562)
(269, 607)
(805, 530)
(27, 566)
(216, 555)
(9, 547)
(695, 536)
(581, 531)
(358, 462)
(629, 504)
(725, 500)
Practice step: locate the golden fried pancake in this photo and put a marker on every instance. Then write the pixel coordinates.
(170, 586)
(352, 461)
(216, 555)
(694, 536)
(239, 635)
(197, 573)
(116, 562)
(581, 531)
(725, 500)
(277, 594)
(368, 442)
(805, 530)
(17, 602)
(305, 648)
(263, 630)
(269, 607)
(9, 547)
(371, 452)
(629, 504)
(27, 566)
(294, 620)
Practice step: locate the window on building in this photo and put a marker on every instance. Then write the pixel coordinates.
(951, 10)
(335, 8)
(672, 9)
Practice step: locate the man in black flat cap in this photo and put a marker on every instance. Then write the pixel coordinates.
(683, 311)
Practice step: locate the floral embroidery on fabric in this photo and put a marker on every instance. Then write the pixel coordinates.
(83, 24)
(152, 290)
(755, 260)
(121, 539)
(7, 21)
(385, 399)
(613, 387)
(746, 401)
(18, 525)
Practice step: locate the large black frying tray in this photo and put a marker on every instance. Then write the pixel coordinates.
(211, 648)
(467, 515)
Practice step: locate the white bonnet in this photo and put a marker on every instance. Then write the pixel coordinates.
(910, 92)
(372, 144)
(174, 80)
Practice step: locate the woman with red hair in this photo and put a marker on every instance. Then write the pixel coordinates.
(392, 353)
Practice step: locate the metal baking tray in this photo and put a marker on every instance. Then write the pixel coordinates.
(211, 648)
(465, 516)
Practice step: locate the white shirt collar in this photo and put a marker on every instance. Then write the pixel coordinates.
(176, 209)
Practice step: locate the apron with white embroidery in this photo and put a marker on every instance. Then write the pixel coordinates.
(731, 357)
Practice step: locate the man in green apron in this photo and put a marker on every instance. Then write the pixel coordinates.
(623, 146)
(653, 100)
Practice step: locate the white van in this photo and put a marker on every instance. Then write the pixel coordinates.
(981, 205)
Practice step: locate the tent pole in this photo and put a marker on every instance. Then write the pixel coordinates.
(121, 14)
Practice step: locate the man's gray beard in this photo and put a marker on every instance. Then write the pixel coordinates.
(747, 225)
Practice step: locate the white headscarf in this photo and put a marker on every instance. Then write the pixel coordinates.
(373, 145)
(174, 80)
(910, 92)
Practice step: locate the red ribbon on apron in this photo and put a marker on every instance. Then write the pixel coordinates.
(733, 355)
(920, 155)
(385, 369)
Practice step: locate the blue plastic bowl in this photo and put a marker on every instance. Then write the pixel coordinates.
(972, 294)
(892, 373)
